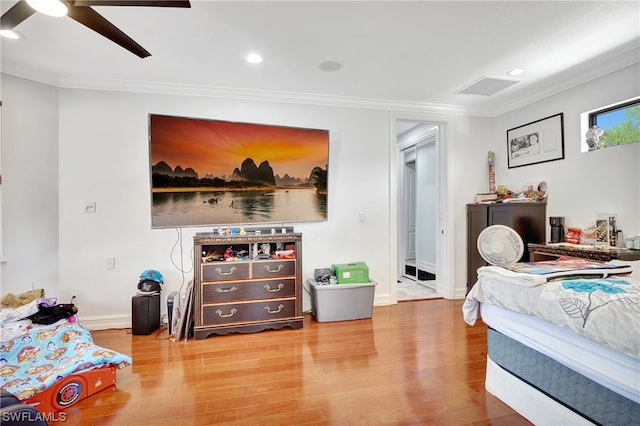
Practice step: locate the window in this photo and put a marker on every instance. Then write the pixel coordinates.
(617, 124)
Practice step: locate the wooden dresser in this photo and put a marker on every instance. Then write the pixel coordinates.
(247, 283)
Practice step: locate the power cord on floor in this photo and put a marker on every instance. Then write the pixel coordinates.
(308, 311)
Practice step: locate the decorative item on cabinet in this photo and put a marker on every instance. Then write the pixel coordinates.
(255, 286)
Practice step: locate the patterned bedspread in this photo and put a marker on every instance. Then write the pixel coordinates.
(605, 310)
(33, 361)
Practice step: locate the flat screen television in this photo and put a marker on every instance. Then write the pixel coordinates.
(207, 172)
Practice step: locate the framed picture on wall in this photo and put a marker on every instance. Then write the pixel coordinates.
(536, 142)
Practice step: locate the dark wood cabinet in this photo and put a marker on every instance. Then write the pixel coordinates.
(247, 283)
(527, 219)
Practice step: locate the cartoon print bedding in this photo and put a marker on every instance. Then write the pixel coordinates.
(33, 357)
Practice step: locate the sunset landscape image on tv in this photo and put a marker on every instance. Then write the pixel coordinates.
(213, 172)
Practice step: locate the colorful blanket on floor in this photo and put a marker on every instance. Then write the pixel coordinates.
(35, 360)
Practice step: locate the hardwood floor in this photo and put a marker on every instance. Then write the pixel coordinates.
(414, 363)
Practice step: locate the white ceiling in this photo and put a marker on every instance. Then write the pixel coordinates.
(412, 55)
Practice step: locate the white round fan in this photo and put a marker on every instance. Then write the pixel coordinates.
(500, 245)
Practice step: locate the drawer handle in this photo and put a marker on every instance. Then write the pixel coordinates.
(280, 308)
(273, 290)
(268, 269)
(226, 290)
(232, 313)
(231, 271)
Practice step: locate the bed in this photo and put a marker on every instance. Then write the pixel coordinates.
(52, 366)
(562, 351)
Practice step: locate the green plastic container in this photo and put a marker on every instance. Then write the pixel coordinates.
(351, 273)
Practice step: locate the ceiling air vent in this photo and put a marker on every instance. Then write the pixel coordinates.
(487, 86)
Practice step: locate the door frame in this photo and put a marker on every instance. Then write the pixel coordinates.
(444, 237)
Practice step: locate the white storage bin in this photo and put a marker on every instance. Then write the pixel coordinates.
(341, 302)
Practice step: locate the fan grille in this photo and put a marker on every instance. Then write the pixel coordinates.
(500, 245)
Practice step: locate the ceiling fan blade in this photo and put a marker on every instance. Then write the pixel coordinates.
(93, 20)
(18, 13)
(142, 3)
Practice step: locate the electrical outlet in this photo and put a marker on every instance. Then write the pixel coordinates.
(110, 262)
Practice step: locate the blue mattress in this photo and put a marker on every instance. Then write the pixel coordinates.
(585, 397)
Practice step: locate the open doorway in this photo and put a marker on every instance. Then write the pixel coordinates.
(421, 210)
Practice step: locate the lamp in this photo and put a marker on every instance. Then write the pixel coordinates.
(55, 8)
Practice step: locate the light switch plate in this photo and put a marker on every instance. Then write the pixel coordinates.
(110, 262)
(89, 207)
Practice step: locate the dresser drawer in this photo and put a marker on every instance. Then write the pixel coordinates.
(225, 271)
(247, 290)
(273, 268)
(263, 310)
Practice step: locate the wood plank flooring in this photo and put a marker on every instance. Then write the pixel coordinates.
(414, 363)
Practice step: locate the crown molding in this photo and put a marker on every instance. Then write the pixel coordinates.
(262, 95)
(560, 83)
(570, 79)
(163, 88)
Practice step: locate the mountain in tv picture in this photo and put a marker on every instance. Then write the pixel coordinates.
(248, 171)
(287, 180)
(164, 169)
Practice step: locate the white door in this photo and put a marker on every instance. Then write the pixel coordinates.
(426, 208)
(409, 206)
(418, 185)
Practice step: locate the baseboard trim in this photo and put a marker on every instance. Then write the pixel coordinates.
(124, 321)
(105, 322)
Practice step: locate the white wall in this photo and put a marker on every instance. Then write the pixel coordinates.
(103, 157)
(62, 147)
(30, 186)
(583, 184)
(470, 175)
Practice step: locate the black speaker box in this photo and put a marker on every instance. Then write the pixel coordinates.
(145, 314)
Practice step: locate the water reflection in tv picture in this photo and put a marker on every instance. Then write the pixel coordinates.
(173, 209)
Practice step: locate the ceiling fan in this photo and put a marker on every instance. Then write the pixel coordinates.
(81, 11)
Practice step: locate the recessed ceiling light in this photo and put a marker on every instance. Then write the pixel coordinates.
(55, 8)
(330, 66)
(254, 58)
(13, 35)
(516, 71)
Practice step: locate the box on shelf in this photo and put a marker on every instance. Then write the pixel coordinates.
(350, 273)
(341, 302)
(606, 229)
